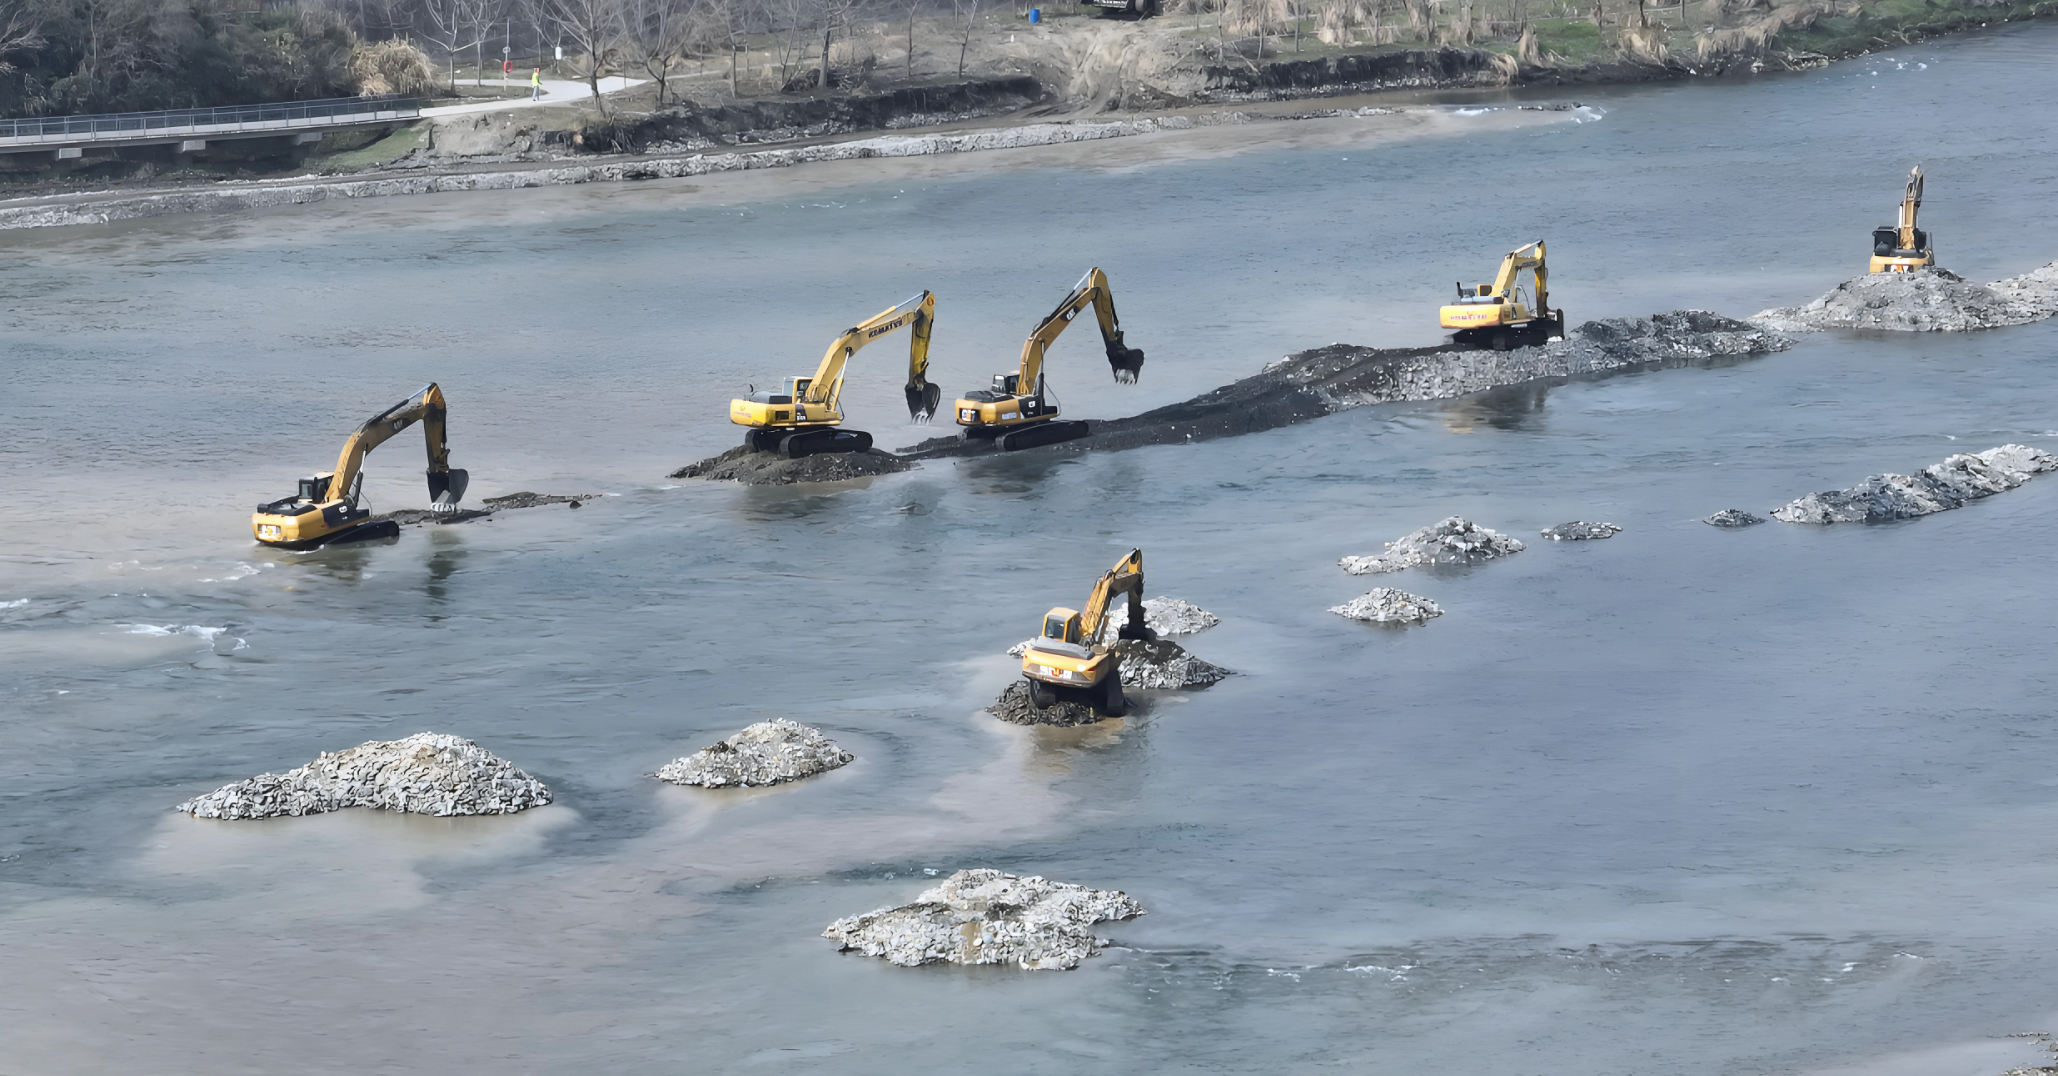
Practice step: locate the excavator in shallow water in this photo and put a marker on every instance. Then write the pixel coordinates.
(1019, 410)
(327, 509)
(1500, 314)
(1067, 661)
(1901, 247)
(804, 417)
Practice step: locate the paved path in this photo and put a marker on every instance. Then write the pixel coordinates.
(555, 92)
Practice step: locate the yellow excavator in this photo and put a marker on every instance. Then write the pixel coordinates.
(1500, 314)
(1902, 247)
(804, 417)
(1019, 411)
(327, 509)
(1068, 663)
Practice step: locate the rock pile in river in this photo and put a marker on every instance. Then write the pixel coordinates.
(1926, 300)
(1580, 530)
(1385, 605)
(426, 773)
(1451, 541)
(767, 753)
(1013, 706)
(1732, 518)
(1938, 487)
(986, 916)
(753, 468)
(1161, 664)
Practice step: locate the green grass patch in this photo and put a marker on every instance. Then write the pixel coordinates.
(383, 151)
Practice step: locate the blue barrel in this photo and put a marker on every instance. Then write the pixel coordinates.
(1035, 15)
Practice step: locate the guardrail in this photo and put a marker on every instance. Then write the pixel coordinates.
(284, 116)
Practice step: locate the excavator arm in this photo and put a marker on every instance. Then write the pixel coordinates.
(446, 486)
(1126, 577)
(1911, 202)
(1529, 257)
(826, 388)
(1126, 362)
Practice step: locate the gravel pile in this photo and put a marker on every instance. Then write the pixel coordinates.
(767, 753)
(1452, 541)
(1938, 487)
(426, 773)
(1732, 518)
(1580, 530)
(1926, 300)
(753, 468)
(1386, 605)
(1014, 707)
(1160, 664)
(985, 916)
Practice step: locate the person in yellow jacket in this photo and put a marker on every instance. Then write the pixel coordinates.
(536, 85)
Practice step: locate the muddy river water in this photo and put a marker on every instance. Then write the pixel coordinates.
(1684, 801)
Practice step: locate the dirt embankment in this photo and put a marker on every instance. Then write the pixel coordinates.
(1339, 377)
(1926, 300)
(754, 468)
(757, 121)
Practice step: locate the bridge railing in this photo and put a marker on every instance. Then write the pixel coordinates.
(286, 114)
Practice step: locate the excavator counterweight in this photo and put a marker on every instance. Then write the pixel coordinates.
(804, 416)
(1901, 247)
(327, 508)
(1067, 662)
(1501, 314)
(1019, 411)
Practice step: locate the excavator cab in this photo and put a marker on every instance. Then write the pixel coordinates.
(1062, 625)
(315, 490)
(325, 507)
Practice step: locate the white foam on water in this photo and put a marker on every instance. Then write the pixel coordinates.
(15, 604)
(198, 631)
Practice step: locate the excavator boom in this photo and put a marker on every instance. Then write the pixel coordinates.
(1499, 313)
(1019, 412)
(1903, 246)
(1125, 362)
(804, 418)
(326, 508)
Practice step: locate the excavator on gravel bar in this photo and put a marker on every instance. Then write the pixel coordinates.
(1068, 663)
(1500, 314)
(805, 416)
(1901, 247)
(328, 508)
(1019, 410)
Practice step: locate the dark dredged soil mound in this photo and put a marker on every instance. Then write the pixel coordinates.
(1014, 707)
(409, 517)
(526, 499)
(752, 468)
(1339, 377)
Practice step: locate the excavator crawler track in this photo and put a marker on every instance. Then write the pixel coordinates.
(1043, 433)
(818, 442)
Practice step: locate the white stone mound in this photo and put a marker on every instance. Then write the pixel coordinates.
(985, 916)
(1580, 530)
(1166, 616)
(426, 773)
(1926, 300)
(1731, 518)
(1161, 664)
(1452, 541)
(1938, 487)
(767, 753)
(1385, 605)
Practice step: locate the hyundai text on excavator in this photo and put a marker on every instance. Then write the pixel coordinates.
(804, 417)
(1019, 411)
(1499, 314)
(1068, 663)
(1901, 247)
(326, 509)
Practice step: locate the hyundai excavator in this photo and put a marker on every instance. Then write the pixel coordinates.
(327, 508)
(1901, 247)
(805, 416)
(1067, 662)
(1018, 411)
(1500, 314)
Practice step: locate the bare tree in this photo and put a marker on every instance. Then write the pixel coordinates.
(968, 15)
(21, 29)
(595, 30)
(656, 37)
(456, 25)
(913, 7)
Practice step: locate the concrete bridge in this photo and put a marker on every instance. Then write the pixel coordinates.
(189, 130)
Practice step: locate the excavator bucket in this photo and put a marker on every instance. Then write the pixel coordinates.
(1126, 362)
(923, 401)
(446, 488)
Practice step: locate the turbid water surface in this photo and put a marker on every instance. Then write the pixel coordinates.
(1686, 800)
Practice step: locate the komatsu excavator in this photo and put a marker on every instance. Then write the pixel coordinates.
(804, 417)
(1500, 314)
(327, 510)
(1901, 247)
(1068, 663)
(1019, 411)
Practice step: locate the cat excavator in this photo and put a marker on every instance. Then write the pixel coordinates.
(1499, 314)
(1019, 411)
(1901, 247)
(327, 508)
(805, 416)
(1068, 663)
